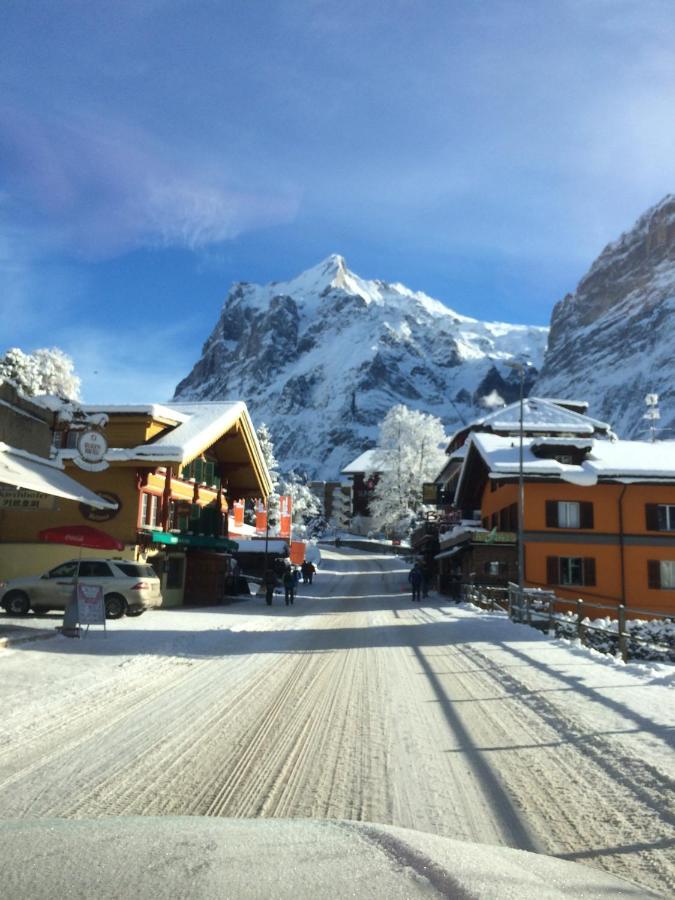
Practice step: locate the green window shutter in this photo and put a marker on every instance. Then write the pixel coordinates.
(551, 513)
(552, 576)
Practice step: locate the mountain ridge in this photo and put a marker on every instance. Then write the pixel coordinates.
(610, 339)
(323, 356)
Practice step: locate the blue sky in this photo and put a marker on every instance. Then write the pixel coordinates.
(152, 152)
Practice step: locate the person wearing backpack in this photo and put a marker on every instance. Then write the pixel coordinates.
(289, 586)
(415, 579)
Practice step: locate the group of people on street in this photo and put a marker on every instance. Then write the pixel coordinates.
(289, 579)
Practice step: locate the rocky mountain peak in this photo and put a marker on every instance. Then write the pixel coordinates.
(321, 359)
(611, 341)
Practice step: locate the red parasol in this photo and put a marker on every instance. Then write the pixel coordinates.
(81, 536)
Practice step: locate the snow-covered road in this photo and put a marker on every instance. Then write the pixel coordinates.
(352, 704)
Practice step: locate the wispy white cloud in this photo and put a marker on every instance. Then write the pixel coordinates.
(96, 187)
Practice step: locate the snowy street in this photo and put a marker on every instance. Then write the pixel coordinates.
(354, 704)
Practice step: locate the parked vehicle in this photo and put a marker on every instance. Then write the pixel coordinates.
(129, 588)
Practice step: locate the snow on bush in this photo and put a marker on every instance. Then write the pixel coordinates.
(651, 639)
(45, 371)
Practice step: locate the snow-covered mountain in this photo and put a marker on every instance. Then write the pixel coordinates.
(613, 340)
(323, 357)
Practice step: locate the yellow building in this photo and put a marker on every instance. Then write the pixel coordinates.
(172, 470)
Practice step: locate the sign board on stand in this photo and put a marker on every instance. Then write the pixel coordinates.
(90, 605)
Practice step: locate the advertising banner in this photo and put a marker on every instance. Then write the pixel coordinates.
(238, 509)
(284, 516)
(297, 552)
(260, 517)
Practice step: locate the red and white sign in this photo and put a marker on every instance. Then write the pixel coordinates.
(285, 516)
(260, 517)
(90, 604)
(238, 509)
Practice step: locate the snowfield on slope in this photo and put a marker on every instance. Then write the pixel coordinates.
(353, 704)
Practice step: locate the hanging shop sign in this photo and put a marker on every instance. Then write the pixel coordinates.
(91, 451)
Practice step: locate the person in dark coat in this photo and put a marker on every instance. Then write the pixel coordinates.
(270, 582)
(289, 586)
(305, 573)
(415, 579)
(310, 572)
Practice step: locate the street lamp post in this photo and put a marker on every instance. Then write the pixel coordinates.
(520, 368)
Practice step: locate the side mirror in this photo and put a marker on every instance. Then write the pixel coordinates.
(44, 576)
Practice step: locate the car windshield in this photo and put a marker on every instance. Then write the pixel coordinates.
(135, 570)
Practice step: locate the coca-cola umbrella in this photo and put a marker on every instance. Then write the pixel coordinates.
(78, 536)
(81, 536)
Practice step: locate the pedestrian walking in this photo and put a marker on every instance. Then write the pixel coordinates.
(289, 586)
(415, 579)
(304, 568)
(311, 569)
(270, 582)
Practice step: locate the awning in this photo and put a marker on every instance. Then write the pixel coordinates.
(205, 542)
(451, 552)
(201, 541)
(26, 471)
(159, 537)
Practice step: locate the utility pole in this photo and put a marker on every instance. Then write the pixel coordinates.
(520, 368)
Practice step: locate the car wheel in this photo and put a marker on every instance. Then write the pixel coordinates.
(16, 603)
(115, 606)
(134, 613)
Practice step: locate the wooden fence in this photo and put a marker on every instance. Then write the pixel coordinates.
(537, 608)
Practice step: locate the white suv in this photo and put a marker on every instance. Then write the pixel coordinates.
(128, 587)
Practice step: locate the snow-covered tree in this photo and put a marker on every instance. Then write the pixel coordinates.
(409, 452)
(45, 371)
(304, 504)
(267, 447)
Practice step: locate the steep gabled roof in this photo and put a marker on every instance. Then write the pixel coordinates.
(540, 416)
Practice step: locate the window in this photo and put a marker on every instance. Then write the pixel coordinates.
(569, 514)
(660, 516)
(136, 570)
(150, 510)
(65, 570)
(570, 570)
(661, 574)
(495, 568)
(93, 569)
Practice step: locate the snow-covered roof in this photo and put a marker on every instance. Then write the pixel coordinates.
(157, 411)
(21, 469)
(364, 463)
(620, 460)
(540, 415)
(197, 426)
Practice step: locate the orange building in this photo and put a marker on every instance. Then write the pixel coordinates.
(599, 514)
